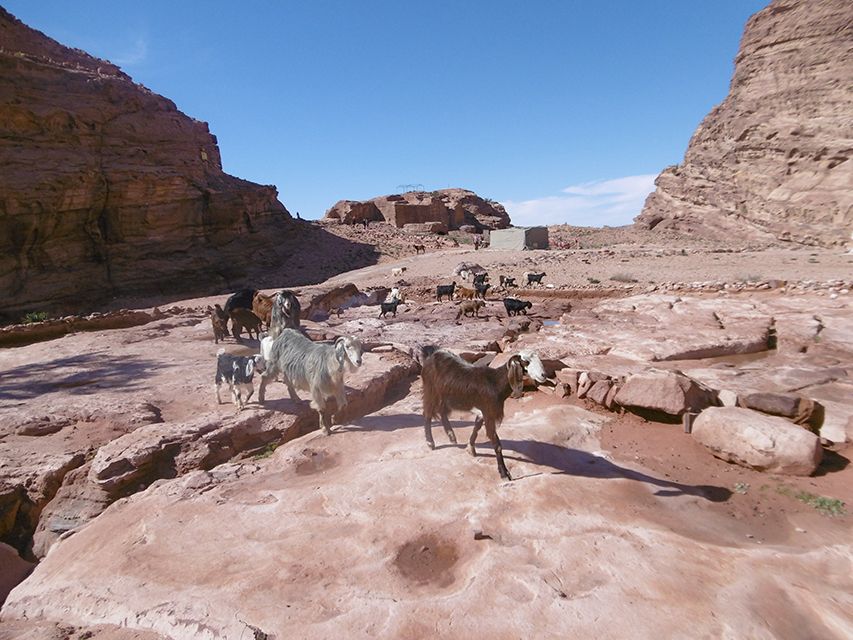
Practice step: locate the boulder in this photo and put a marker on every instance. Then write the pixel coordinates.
(599, 391)
(452, 208)
(759, 441)
(434, 226)
(794, 407)
(15, 569)
(668, 392)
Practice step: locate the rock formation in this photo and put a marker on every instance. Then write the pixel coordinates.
(450, 207)
(109, 190)
(771, 161)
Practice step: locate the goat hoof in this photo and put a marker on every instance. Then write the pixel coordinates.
(431, 445)
(472, 451)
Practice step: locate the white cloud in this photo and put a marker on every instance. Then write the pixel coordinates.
(136, 54)
(590, 204)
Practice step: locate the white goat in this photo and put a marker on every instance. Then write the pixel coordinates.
(311, 366)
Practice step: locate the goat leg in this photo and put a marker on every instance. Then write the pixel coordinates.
(492, 432)
(428, 432)
(262, 386)
(218, 399)
(291, 390)
(478, 422)
(326, 419)
(447, 428)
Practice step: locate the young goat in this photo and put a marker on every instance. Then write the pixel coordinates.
(314, 367)
(219, 322)
(451, 383)
(237, 372)
(398, 271)
(481, 288)
(419, 248)
(507, 282)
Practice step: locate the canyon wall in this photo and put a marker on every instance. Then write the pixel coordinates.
(108, 190)
(772, 162)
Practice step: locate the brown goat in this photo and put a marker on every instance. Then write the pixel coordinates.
(470, 308)
(450, 383)
(419, 248)
(262, 307)
(219, 323)
(245, 319)
(465, 294)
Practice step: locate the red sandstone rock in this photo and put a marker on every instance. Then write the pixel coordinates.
(773, 160)
(452, 208)
(108, 189)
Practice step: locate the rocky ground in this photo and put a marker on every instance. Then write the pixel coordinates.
(150, 497)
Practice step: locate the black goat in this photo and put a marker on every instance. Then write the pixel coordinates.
(389, 306)
(534, 277)
(514, 306)
(445, 290)
(450, 383)
(480, 278)
(481, 288)
(241, 299)
(507, 282)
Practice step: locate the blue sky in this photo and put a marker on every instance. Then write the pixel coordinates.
(563, 111)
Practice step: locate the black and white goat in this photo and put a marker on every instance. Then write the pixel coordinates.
(311, 366)
(451, 383)
(507, 282)
(237, 372)
(514, 306)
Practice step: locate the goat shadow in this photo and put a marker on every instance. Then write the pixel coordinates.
(576, 462)
(82, 374)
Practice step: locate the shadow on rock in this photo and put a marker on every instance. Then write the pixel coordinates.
(575, 462)
(78, 375)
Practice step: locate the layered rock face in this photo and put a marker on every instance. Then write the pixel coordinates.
(773, 160)
(109, 190)
(451, 207)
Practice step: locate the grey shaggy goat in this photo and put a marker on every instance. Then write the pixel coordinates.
(314, 367)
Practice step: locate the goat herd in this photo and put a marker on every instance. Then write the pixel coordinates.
(449, 382)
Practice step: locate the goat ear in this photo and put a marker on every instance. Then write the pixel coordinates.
(515, 375)
(341, 350)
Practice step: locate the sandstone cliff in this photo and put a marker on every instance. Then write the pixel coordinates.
(772, 161)
(109, 190)
(451, 207)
